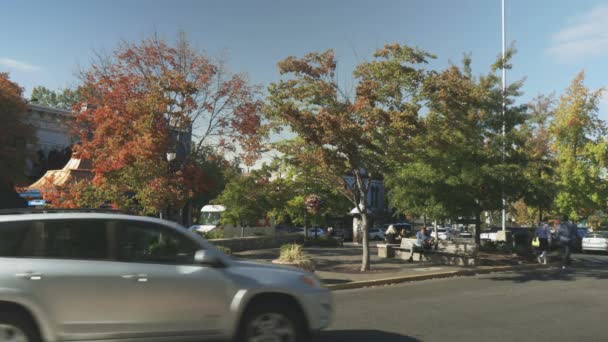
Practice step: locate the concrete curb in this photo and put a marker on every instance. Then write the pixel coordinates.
(436, 275)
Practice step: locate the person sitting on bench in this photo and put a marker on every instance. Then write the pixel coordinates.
(422, 242)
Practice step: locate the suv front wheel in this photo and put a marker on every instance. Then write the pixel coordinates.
(272, 322)
(17, 328)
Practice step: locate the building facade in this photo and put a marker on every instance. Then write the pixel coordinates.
(54, 138)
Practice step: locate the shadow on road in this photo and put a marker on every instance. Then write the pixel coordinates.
(580, 270)
(362, 336)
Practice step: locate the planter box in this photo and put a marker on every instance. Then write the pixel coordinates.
(308, 266)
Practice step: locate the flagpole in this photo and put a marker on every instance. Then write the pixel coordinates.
(504, 90)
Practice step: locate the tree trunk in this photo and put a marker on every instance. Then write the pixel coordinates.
(356, 230)
(365, 265)
(478, 228)
(436, 234)
(305, 225)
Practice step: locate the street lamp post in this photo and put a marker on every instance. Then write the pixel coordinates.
(170, 158)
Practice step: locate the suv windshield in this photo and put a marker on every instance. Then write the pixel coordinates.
(209, 218)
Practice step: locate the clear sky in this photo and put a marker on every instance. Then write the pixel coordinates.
(44, 42)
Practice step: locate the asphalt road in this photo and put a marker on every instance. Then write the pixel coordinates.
(546, 305)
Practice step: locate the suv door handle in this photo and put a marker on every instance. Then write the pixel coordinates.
(140, 278)
(30, 275)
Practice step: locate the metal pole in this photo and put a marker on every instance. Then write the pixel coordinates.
(504, 88)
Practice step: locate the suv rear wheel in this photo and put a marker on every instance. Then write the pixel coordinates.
(17, 328)
(272, 322)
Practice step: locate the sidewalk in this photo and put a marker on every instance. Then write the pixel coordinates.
(339, 267)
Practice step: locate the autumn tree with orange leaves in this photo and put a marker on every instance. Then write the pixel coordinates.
(136, 101)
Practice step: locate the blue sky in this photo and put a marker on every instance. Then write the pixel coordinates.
(44, 42)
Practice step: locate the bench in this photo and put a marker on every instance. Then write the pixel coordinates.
(387, 250)
(447, 253)
(339, 239)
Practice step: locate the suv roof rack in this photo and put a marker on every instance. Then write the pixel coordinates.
(57, 210)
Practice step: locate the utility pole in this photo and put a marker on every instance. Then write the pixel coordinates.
(504, 93)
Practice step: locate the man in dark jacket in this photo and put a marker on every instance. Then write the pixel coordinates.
(566, 235)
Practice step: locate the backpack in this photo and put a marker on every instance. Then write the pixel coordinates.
(563, 232)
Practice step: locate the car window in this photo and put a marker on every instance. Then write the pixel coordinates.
(75, 239)
(12, 237)
(62, 239)
(151, 243)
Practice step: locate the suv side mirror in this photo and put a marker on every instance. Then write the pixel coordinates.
(207, 258)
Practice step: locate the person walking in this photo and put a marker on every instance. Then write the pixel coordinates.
(566, 235)
(543, 233)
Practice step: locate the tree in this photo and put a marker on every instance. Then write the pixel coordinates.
(540, 193)
(293, 184)
(64, 99)
(135, 105)
(15, 133)
(244, 200)
(343, 136)
(456, 165)
(581, 151)
(223, 108)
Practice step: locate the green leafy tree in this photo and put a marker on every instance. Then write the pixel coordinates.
(293, 184)
(63, 99)
(244, 200)
(455, 166)
(343, 136)
(15, 132)
(541, 190)
(581, 151)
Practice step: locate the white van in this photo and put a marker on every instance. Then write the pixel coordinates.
(210, 220)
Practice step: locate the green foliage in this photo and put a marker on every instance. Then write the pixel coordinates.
(64, 99)
(15, 132)
(244, 200)
(455, 165)
(292, 253)
(581, 152)
(341, 136)
(541, 188)
(212, 234)
(287, 194)
(224, 250)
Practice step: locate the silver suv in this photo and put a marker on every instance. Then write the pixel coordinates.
(96, 276)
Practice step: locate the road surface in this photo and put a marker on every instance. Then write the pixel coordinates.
(547, 305)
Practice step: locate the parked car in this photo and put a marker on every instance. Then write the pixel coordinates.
(595, 242)
(99, 276)
(376, 234)
(344, 233)
(441, 232)
(311, 232)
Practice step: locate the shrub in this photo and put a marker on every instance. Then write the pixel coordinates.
(294, 254)
(224, 249)
(213, 234)
(495, 247)
(258, 234)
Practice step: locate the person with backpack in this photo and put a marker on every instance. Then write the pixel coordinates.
(543, 233)
(566, 235)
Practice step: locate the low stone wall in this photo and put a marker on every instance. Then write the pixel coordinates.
(258, 242)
